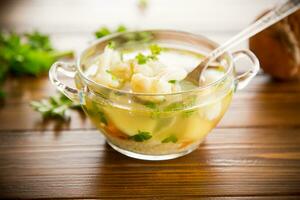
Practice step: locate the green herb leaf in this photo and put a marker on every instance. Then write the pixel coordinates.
(39, 41)
(171, 138)
(121, 28)
(104, 31)
(141, 136)
(188, 113)
(102, 118)
(101, 32)
(57, 106)
(141, 59)
(181, 105)
(155, 49)
(172, 81)
(27, 54)
(150, 104)
(111, 45)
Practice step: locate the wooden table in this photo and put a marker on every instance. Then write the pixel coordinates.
(254, 153)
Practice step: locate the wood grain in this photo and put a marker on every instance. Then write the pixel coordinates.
(239, 162)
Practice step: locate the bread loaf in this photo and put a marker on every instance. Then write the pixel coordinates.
(278, 48)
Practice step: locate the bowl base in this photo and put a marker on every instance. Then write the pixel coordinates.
(151, 157)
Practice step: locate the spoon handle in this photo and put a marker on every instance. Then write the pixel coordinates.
(270, 18)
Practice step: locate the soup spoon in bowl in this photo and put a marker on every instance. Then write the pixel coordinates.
(278, 13)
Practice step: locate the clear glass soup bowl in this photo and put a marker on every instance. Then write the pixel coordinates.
(168, 130)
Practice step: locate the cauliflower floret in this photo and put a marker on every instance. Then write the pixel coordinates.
(153, 85)
(154, 77)
(144, 69)
(108, 79)
(122, 70)
(141, 83)
(150, 76)
(108, 58)
(151, 68)
(111, 71)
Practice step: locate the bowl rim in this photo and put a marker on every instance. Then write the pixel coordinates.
(120, 91)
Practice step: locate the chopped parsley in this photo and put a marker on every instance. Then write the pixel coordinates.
(101, 32)
(172, 81)
(151, 105)
(104, 31)
(155, 49)
(141, 136)
(182, 105)
(111, 45)
(188, 113)
(57, 106)
(121, 28)
(171, 138)
(143, 59)
(102, 118)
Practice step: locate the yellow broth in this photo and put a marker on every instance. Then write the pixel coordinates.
(175, 125)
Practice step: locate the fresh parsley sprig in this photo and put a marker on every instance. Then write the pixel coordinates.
(26, 54)
(104, 31)
(141, 136)
(57, 106)
(143, 59)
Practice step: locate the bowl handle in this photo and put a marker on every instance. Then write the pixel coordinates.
(242, 80)
(68, 70)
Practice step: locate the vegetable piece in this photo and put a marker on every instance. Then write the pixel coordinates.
(181, 105)
(141, 136)
(155, 51)
(121, 28)
(172, 81)
(101, 32)
(141, 59)
(57, 106)
(102, 118)
(171, 138)
(104, 31)
(150, 104)
(188, 113)
(111, 45)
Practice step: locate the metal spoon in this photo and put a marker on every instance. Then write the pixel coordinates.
(281, 11)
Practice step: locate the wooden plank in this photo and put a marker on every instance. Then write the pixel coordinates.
(262, 104)
(231, 162)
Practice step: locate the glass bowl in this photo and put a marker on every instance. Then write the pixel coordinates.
(150, 131)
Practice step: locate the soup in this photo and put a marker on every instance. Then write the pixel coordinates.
(154, 122)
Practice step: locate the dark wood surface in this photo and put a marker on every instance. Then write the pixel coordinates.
(254, 153)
